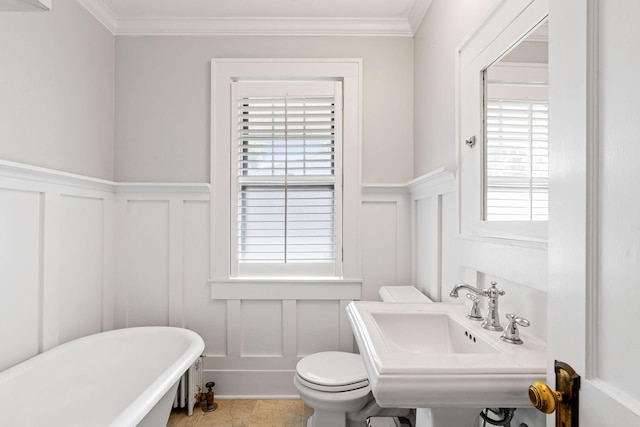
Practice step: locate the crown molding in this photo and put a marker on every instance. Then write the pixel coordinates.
(199, 26)
(25, 5)
(102, 13)
(262, 27)
(417, 14)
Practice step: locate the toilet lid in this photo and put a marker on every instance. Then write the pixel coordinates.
(333, 369)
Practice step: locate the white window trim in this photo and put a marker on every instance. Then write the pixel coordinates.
(226, 70)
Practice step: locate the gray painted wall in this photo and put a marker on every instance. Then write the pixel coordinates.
(163, 101)
(57, 90)
(444, 27)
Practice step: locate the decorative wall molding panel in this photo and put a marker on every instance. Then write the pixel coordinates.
(440, 181)
(270, 325)
(44, 176)
(443, 257)
(385, 237)
(434, 225)
(81, 255)
(163, 248)
(56, 259)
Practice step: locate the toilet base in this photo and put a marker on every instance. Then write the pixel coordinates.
(324, 418)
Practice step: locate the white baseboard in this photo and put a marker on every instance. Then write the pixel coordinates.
(252, 384)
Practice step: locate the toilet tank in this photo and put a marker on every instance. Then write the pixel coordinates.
(402, 294)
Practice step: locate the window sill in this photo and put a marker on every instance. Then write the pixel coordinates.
(286, 288)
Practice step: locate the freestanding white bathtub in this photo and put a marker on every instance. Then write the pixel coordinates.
(127, 377)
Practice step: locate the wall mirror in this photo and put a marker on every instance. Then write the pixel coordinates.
(516, 132)
(503, 116)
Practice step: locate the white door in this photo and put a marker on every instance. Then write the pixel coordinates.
(594, 228)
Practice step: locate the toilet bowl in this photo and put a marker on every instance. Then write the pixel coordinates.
(335, 383)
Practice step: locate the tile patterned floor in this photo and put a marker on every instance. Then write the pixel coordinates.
(246, 413)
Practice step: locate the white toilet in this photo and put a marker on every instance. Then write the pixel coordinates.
(335, 383)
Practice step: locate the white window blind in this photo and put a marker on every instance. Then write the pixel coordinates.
(517, 161)
(287, 177)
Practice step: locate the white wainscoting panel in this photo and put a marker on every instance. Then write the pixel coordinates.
(147, 262)
(81, 255)
(270, 325)
(20, 267)
(434, 221)
(451, 272)
(317, 326)
(261, 328)
(56, 263)
(162, 254)
(201, 314)
(82, 258)
(427, 246)
(386, 238)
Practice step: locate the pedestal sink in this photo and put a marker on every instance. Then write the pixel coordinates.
(431, 355)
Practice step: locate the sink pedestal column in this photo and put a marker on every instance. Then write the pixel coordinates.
(447, 417)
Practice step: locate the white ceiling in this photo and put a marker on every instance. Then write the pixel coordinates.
(260, 17)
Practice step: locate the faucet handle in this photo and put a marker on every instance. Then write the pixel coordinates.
(511, 333)
(474, 313)
(493, 291)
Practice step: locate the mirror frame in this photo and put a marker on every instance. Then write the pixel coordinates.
(505, 26)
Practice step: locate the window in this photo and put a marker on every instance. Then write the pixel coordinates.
(517, 161)
(284, 208)
(286, 177)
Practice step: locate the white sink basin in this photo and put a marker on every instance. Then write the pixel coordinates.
(431, 355)
(427, 333)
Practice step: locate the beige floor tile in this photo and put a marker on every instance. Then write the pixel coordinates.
(246, 413)
(181, 419)
(230, 413)
(277, 413)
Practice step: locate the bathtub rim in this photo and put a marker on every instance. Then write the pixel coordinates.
(149, 396)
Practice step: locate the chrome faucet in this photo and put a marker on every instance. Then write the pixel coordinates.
(511, 334)
(492, 322)
(474, 313)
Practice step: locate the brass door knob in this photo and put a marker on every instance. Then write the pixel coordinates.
(543, 398)
(563, 402)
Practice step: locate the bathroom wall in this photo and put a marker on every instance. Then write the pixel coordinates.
(441, 256)
(252, 343)
(56, 259)
(57, 90)
(57, 228)
(163, 101)
(444, 26)
(73, 238)
(163, 98)
(83, 253)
